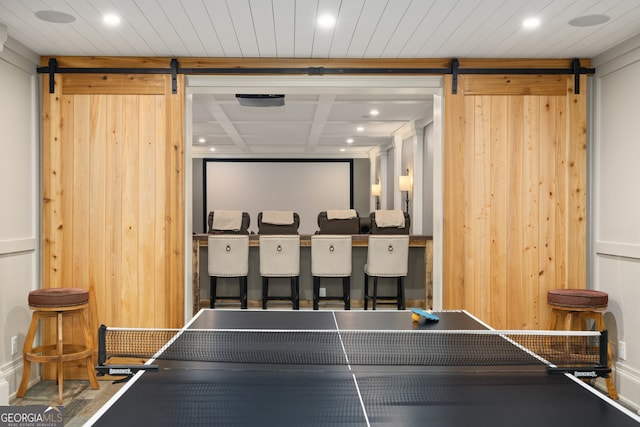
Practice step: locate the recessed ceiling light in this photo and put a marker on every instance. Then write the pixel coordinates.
(374, 112)
(588, 20)
(55, 16)
(349, 140)
(326, 21)
(531, 23)
(360, 129)
(111, 19)
(343, 149)
(212, 149)
(202, 140)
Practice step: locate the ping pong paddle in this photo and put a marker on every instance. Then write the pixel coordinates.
(418, 315)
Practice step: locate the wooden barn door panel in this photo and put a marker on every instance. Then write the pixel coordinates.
(514, 196)
(113, 199)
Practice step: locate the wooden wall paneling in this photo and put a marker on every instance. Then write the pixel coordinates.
(514, 198)
(113, 195)
(549, 121)
(109, 305)
(453, 201)
(560, 234)
(174, 292)
(576, 185)
(77, 213)
(65, 167)
(477, 189)
(530, 212)
(463, 218)
(51, 203)
(160, 227)
(98, 166)
(500, 120)
(146, 211)
(516, 284)
(114, 84)
(130, 208)
(80, 179)
(510, 85)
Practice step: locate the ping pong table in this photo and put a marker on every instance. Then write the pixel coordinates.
(280, 394)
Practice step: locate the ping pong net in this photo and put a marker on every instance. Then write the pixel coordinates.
(582, 353)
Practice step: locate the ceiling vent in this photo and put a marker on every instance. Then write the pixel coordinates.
(249, 100)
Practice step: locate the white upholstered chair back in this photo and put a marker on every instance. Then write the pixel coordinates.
(330, 255)
(279, 255)
(228, 255)
(387, 256)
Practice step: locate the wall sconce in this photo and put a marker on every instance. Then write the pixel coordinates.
(404, 184)
(376, 191)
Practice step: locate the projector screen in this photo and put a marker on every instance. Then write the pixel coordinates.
(299, 185)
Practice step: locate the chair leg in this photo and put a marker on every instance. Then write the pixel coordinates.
(553, 320)
(366, 291)
(400, 284)
(212, 292)
(27, 347)
(60, 352)
(374, 297)
(295, 291)
(243, 292)
(346, 292)
(265, 292)
(316, 292)
(91, 371)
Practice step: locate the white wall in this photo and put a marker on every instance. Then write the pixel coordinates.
(615, 206)
(19, 217)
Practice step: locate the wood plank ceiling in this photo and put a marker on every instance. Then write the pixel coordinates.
(313, 124)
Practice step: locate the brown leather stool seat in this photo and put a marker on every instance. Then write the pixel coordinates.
(57, 303)
(575, 307)
(578, 298)
(58, 297)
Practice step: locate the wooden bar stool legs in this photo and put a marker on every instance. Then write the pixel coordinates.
(572, 308)
(56, 304)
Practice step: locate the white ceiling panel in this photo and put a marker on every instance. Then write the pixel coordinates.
(273, 128)
(291, 112)
(283, 15)
(368, 20)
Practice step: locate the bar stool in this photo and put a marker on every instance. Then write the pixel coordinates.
(331, 257)
(57, 303)
(387, 256)
(280, 257)
(570, 310)
(228, 256)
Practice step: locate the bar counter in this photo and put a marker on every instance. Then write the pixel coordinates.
(359, 241)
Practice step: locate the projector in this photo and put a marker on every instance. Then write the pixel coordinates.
(249, 100)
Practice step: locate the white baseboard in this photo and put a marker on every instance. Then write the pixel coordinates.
(628, 385)
(4, 392)
(10, 377)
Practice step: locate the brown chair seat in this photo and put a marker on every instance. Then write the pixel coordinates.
(578, 298)
(58, 297)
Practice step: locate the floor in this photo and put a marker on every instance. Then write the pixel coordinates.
(80, 401)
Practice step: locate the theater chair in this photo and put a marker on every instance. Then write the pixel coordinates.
(278, 222)
(390, 222)
(339, 222)
(228, 222)
(331, 258)
(228, 257)
(280, 257)
(387, 257)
